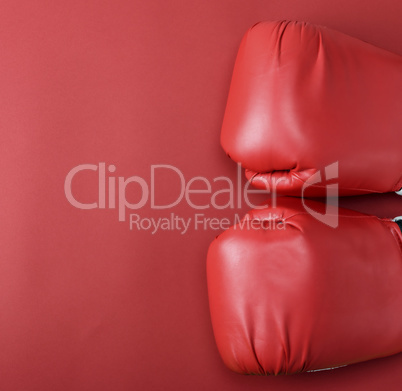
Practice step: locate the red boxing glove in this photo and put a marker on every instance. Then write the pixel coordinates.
(290, 294)
(303, 97)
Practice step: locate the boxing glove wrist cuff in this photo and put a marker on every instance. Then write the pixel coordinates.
(398, 220)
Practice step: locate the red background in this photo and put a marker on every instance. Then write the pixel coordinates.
(85, 303)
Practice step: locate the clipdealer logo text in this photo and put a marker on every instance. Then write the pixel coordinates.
(112, 189)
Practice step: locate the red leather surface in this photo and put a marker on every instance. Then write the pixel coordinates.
(303, 97)
(85, 303)
(290, 294)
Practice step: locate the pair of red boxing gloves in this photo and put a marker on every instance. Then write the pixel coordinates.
(289, 293)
